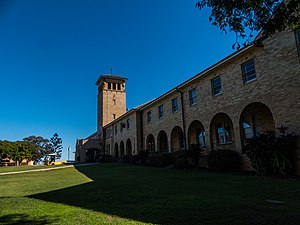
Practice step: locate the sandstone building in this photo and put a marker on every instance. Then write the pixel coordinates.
(250, 91)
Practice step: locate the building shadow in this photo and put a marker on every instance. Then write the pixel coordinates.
(16, 219)
(143, 195)
(128, 197)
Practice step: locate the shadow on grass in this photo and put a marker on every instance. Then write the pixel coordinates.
(164, 196)
(16, 219)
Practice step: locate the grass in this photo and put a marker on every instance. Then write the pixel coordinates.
(5, 169)
(125, 194)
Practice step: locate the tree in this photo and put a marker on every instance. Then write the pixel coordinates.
(42, 144)
(243, 17)
(56, 145)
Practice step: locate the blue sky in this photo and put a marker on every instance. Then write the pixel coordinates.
(53, 51)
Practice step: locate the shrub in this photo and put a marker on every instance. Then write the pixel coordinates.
(143, 156)
(187, 158)
(106, 158)
(271, 153)
(224, 160)
(160, 159)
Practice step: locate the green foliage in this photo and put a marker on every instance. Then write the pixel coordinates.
(42, 144)
(241, 16)
(160, 159)
(18, 151)
(56, 145)
(224, 160)
(187, 158)
(271, 153)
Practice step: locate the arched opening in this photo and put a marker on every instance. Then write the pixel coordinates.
(122, 149)
(150, 143)
(196, 134)
(128, 147)
(162, 141)
(255, 118)
(177, 141)
(221, 131)
(116, 150)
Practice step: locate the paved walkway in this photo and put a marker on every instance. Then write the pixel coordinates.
(46, 169)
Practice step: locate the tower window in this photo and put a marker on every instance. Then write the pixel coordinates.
(114, 86)
(114, 116)
(119, 87)
(114, 101)
(108, 85)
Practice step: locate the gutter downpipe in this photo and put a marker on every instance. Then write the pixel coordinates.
(183, 118)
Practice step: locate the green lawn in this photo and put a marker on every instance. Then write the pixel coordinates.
(125, 194)
(5, 169)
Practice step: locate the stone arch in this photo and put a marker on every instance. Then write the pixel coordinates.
(177, 139)
(162, 141)
(128, 147)
(150, 143)
(221, 132)
(116, 150)
(122, 149)
(196, 134)
(255, 118)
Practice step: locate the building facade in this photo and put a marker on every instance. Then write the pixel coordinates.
(252, 90)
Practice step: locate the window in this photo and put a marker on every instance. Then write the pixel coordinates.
(149, 117)
(201, 137)
(122, 126)
(128, 124)
(116, 129)
(216, 86)
(297, 36)
(114, 86)
(108, 133)
(114, 116)
(193, 96)
(248, 69)
(175, 105)
(160, 111)
(108, 85)
(223, 133)
(114, 101)
(119, 87)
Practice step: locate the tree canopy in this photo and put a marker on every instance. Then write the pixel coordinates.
(32, 148)
(243, 17)
(56, 145)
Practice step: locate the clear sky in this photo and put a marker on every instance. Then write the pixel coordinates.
(53, 51)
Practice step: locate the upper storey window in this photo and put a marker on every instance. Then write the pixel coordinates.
(175, 105)
(108, 85)
(216, 86)
(119, 87)
(149, 116)
(193, 96)
(114, 86)
(297, 36)
(248, 69)
(160, 111)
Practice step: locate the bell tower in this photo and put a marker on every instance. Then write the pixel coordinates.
(111, 99)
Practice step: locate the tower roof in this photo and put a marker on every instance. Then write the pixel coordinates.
(110, 77)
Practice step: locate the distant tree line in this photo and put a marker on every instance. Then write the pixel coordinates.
(32, 148)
